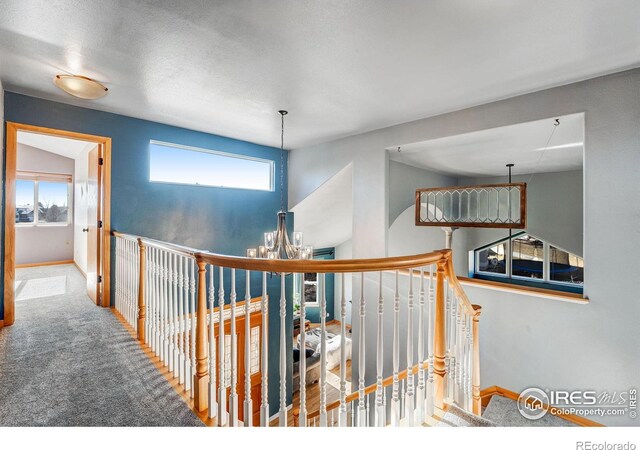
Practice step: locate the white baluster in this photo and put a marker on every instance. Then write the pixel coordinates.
(353, 416)
(283, 354)
(213, 398)
(264, 355)
(149, 299)
(463, 375)
(342, 413)
(447, 340)
(154, 297)
(395, 398)
(233, 396)
(182, 317)
(402, 393)
(176, 318)
(380, 409)
(248, 403)
(323, 349)
(429, 410)
(165, 343)
(367, 414)
(172, 363)
(468, 397)
(123, 276)
(158, 296)
(409, 400)
(146, 297)
(222, 390)
(187, 325)
(302, 364)
(117, 262)
(459, 352)
(451, 339)
(130, 279)
(362, 411)
(192, 296)
(123, 289)
(421, 391)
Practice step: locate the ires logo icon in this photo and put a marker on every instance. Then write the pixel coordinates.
(533, 403)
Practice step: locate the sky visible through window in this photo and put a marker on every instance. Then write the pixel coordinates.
(49, 193)
(190, 166)
(24, 193)
(52, 193)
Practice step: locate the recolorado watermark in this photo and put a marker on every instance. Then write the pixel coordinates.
(534, 403)
(588, 445)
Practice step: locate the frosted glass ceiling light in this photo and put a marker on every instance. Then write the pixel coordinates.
(81, 87)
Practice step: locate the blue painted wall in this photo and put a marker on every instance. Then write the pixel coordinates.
(313, 312)
(216, 219)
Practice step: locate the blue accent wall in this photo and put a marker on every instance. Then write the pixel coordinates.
(312, 313)
(209, 218)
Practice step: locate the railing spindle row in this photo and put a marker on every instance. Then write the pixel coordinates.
(172, 308)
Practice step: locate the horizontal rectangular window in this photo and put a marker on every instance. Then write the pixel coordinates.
(43, 198)
(172, 163)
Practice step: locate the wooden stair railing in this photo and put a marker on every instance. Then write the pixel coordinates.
(167, 293)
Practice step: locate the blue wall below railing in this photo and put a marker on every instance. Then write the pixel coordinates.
(209, 218)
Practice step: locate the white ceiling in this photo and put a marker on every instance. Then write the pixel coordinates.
(534, 147)
(340, 67)
(326, 216)
(69, 148)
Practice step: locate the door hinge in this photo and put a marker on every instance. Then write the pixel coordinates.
(100, 161)
(99, 278)
(99, 223)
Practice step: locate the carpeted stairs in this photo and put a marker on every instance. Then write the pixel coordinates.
(500, 412)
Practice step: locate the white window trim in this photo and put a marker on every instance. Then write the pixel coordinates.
(271, 163)
(36, 184)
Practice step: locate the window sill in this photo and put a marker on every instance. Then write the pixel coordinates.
(525, 290)
(42, 225)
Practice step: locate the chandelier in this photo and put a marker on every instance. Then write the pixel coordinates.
(277, 244)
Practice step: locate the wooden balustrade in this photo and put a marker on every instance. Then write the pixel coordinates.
(172, 310)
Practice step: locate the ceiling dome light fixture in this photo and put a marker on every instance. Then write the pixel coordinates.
(81, 87)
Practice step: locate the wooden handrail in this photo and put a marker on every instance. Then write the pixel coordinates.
(301, 265)
(457, 287)
(175, 248)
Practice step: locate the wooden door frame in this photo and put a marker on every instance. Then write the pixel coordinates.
(9, 231)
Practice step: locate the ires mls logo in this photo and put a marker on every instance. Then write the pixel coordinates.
(534, 403)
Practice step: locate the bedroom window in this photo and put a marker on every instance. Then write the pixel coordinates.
(43, 199)
(179, 164)
(530, 261)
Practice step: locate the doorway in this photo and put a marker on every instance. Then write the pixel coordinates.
(85, 213)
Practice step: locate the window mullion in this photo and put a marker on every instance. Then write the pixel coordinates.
(36, 207)
(508, 258)
(546, 272)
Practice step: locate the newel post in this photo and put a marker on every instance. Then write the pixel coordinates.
(142, 308)
(201, 377)
(439, 342)
(475, 381)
